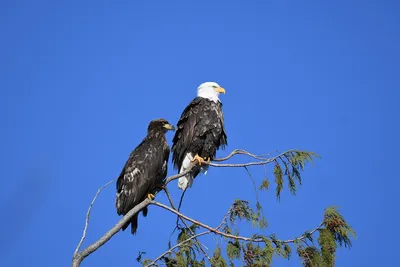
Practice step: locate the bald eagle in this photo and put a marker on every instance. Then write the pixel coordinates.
(145, 169)
(200, 132)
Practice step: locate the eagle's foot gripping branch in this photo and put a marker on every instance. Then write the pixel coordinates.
(150, 196)
(201, 160)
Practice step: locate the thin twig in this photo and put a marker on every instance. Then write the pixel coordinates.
(254, 183)
(176, 246)
(180, 203)
(239, 152)
(88, 215)
(186, 225)
(236, 165)
(78, 257)
(263, 161)
(223, 221)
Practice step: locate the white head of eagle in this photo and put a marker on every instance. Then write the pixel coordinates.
(200, 133)
(210, 90)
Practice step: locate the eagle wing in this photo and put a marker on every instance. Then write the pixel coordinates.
(146, 165)
(164, 168)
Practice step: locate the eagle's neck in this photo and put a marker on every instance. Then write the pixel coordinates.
(157, 134)
(209, 95)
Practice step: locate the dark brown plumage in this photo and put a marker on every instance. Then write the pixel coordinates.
(146, 167)
(200, 130)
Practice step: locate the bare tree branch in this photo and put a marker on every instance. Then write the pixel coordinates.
(242, 152)
(235, 165)
(180, 204)
(254, 183)
(88, 215)
(78, 257)
(263, 161)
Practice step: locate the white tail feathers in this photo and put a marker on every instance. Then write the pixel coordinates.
(187, 180)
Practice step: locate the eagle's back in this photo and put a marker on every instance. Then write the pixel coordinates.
(200, 130)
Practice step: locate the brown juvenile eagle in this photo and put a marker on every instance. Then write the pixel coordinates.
(145, 169)
(200, 132)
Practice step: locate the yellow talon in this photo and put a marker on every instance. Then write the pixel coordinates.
(150, 196)
(199, 159)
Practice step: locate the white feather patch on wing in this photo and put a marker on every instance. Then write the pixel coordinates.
(131, 175)
(187, 180)
(135, 171)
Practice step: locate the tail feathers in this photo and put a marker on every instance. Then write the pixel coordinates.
(134, 224)
(187, 180)
(145, 210)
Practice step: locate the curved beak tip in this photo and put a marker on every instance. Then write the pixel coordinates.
(221, 90)
(170, 127)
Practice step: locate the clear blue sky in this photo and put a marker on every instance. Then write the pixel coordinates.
(81, 80)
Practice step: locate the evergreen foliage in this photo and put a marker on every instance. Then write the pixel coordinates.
(259, 250)
(217, 260)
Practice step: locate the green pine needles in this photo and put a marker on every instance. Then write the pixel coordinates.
(315, 248)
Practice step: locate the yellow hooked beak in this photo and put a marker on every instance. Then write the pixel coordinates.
(220, 90)
(169, 127)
